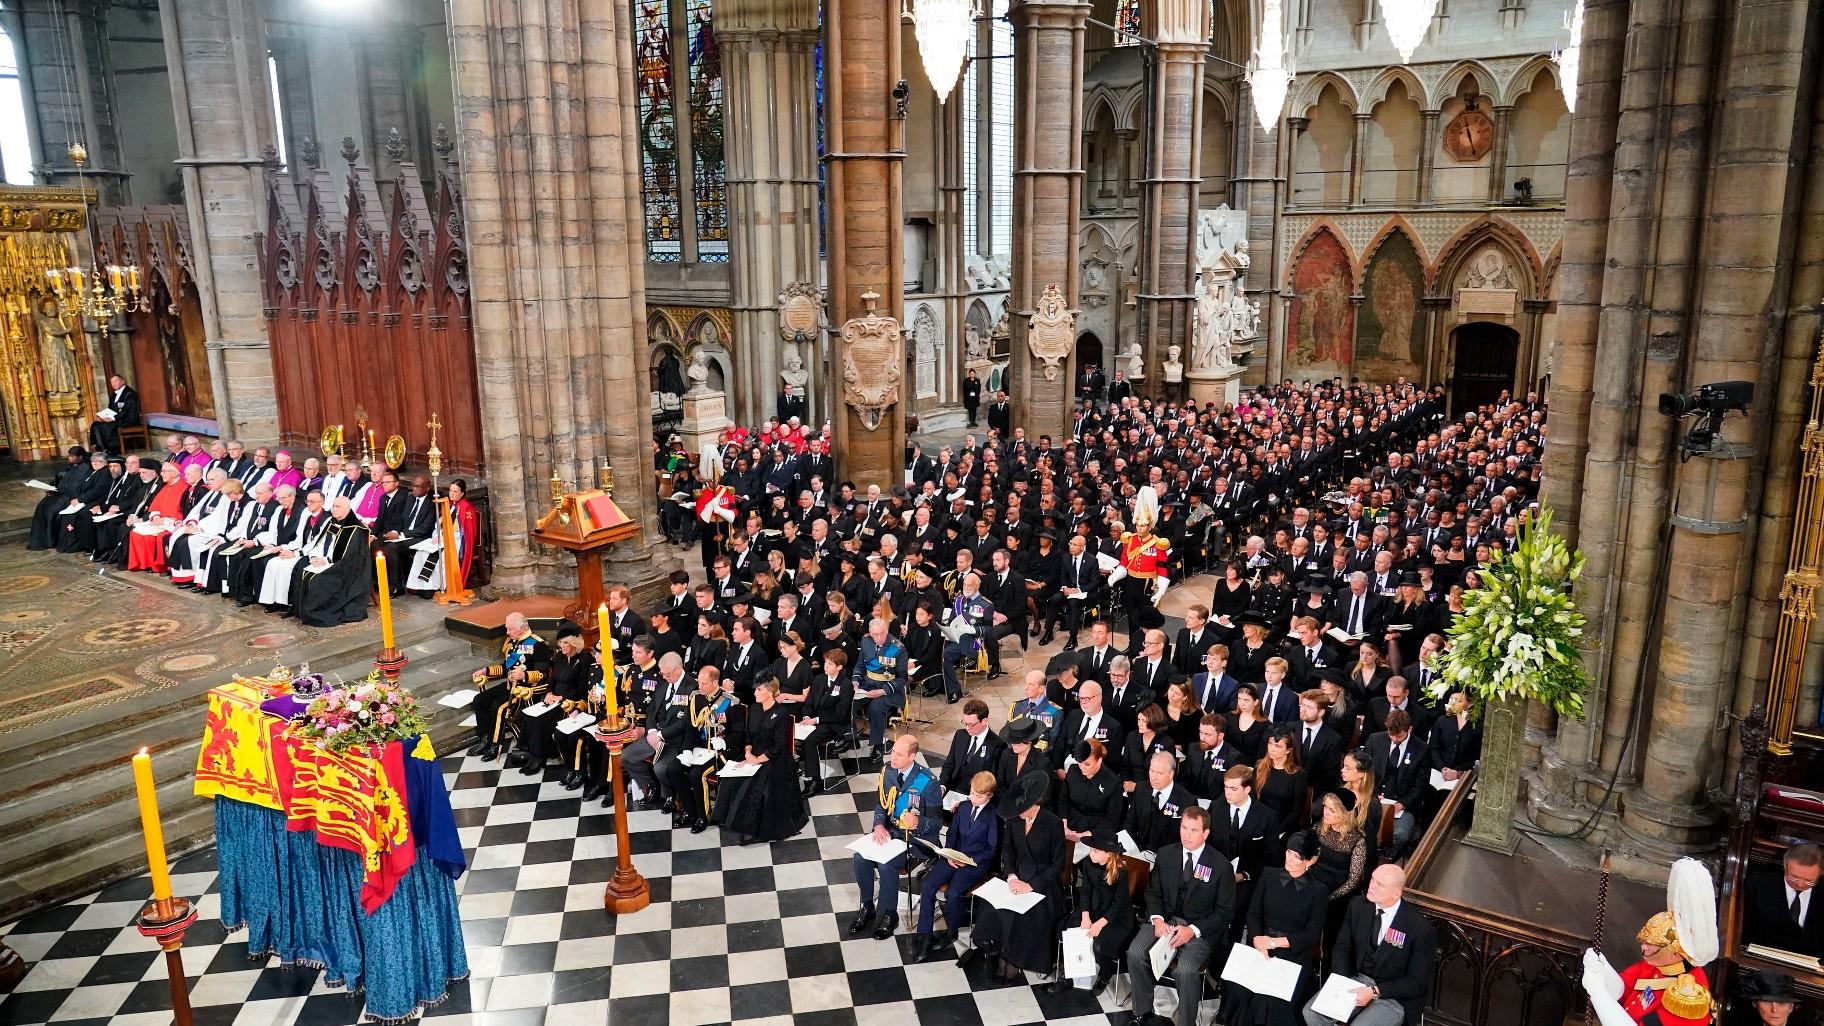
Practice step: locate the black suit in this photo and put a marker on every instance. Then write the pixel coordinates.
(1255, 845)
(414, 517)
(1302, 667)
(1322, 756)
(105, 435)
(1094, 665)
(1400, 967)
(962, 766)
(1154, 827)
(1203, 899)
(1378, 708)
(1154, 677)
(1188, 652)
(1371, 618)
(1076, 573)
(1769, 915)
(1125, 706)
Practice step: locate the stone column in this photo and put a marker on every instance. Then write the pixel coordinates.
(1262, 181)
(1428, 144)
(216, 53)
(1168, 218)
(865, 145)
(1497, 164)
(1756, 166)
(64, 51)
(1358, 157)
(550, 181)
(770, 116)
(1047, 199)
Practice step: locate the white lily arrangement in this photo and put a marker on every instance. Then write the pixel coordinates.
(1517, 635)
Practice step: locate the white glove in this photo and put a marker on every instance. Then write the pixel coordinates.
(718, 745)
(1115, 575)
(1159, 589)
(1604, 987)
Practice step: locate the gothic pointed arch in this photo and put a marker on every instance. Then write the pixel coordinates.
(1320, 318)
(1485, 232)
(1396, 225)
(1310, 91)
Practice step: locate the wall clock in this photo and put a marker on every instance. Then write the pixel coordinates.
(1469, 136)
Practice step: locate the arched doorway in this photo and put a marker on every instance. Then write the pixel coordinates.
(1484, 355)
(1089, 351)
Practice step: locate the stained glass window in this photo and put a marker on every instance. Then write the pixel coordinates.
(1127, 19)
(659, 184)
(709, 180)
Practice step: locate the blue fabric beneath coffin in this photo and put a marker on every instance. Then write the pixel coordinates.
(301, 901)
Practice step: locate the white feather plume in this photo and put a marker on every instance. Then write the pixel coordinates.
(1146, 506)
(1691, 898)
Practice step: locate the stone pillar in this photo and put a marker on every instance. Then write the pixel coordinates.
(1428, 144)
(1755, 167)
(1558, 802)
(1358, 157)
(1047, 200)
(556, 267)
(1262, 181)
(864, 140)
(215, 51)
(1168, 207)
(1497, 164)
(769, 113)
(64, 51)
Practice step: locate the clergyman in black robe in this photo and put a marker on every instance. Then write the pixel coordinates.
(333, 589)
(45, 521)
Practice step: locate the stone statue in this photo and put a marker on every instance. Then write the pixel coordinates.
(57, 355)
(794, 373)
(1241, 258)
(1215, 331)
(698, 373)
(1174, 368)
(1136, 362)
(1244, 317)
(975, 344)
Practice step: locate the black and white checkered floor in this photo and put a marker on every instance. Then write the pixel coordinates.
(744, 935)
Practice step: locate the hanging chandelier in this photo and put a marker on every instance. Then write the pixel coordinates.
(1271, 74)
(1407, 22)
(96, 293)
(1567, 57)
(943, 28)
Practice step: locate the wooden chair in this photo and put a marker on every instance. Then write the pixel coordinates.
(134, 437)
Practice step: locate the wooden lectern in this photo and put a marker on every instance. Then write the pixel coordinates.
(585, 523)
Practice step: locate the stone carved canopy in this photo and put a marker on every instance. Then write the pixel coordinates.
(873, 362)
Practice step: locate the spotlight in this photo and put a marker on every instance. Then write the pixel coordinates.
(1709, 403)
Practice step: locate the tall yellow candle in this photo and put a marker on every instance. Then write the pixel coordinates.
(386, 600)
(610, 690)
(150, 826)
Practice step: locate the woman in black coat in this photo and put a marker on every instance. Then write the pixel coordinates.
(925, 646)
(708, 648)
(1032, 857)
(1106, 908)
(768, 805)
(1230, 600)
(1285, 920)
(1093, 797)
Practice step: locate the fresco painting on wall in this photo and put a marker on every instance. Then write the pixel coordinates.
(1322, 318)
(1390, 338)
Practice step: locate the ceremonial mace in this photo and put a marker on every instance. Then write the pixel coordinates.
(1602, 912)
(627, 891)
(165, 917)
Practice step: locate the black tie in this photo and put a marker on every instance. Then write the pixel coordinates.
(1190, 864)
(1310, 738)
(1797, 917)
(1380, 927)
(1236, 819)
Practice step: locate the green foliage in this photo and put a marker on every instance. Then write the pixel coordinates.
(1517, 636)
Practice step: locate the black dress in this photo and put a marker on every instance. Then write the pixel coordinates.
(1249, 665)
(1251, 742)
(1183, 730)
(1295, 910)
(768, 805)
(1093, 802)
(1284, 793)
(1036, 856)
(1113, 902)
(1231, 604)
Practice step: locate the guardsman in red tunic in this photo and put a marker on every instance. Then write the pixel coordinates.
(1667, 987)
(1146, 559)
(717, 507)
